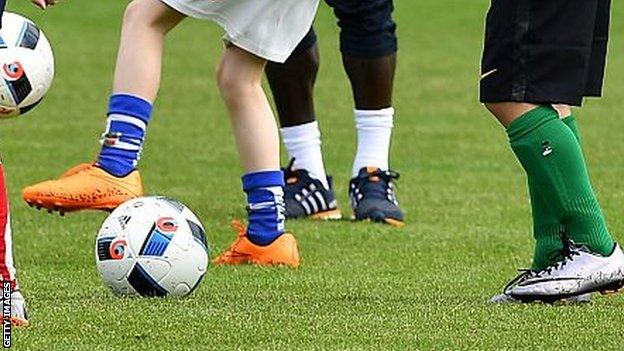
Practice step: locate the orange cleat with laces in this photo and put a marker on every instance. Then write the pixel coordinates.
(283, 251)
(84, 187)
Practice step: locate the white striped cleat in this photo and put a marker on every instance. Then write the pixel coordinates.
(305, 196)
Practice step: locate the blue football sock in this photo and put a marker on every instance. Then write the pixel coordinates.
(122, 143)
(265, 198)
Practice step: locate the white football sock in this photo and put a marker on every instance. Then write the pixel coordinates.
(303, 143)
(374, 130)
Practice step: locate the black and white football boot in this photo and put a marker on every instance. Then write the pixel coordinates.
(305, 196)
(578, 273)
(372, 197)
(506, 298)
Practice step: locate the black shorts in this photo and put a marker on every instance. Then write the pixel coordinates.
(545, 51)
(2, 3)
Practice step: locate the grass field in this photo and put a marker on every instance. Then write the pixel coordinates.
(361, 286)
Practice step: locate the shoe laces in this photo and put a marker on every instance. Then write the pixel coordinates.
(239, 227)
(570, 251)
(241, 232)
(377, 182)
(296, 179)
(290, 171)
(387, 176)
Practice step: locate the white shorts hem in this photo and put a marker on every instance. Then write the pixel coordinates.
(232, 36)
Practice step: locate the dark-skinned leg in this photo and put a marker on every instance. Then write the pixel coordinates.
(372, 83)
(372, 80)
(308, 190)
(369, 45)
(292, 84)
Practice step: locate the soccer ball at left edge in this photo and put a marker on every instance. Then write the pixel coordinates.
(152, 246)
(26, 65)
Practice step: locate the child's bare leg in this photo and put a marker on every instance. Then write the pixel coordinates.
(255, 130)
(137, 79)
(145, 24)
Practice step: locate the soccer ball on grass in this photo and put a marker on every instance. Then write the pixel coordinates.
(152, 246)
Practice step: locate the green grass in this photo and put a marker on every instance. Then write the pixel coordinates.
(361, 286)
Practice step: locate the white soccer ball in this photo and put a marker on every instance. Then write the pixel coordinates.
(26, 65)
(152, 246)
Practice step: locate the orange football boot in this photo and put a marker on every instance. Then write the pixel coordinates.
(283, 251)
(84, 187)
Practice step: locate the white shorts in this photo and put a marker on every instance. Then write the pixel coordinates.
(271, 29)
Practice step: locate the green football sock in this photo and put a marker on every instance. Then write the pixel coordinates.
(547, 229)
(553, 160)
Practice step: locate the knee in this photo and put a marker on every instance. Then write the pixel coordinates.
(135, 13)
(299, 68)
(145, 13)
(507, 112)
(563, 110)
(225, 82)
(233, 82)
(499, 110)
(312, 60)
(492, 107)
(305, 64)
(239, 75)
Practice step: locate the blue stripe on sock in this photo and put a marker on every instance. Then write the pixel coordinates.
(266, 209)
(262, 179)
(130, 105)
(112, 159)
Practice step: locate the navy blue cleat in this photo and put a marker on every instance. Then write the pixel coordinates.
(372, 197)
(305, 196)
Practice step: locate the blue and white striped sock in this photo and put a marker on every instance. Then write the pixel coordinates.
(128, 116)
(265, 199)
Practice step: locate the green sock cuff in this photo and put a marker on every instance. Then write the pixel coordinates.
(530, 121)
(570, 121)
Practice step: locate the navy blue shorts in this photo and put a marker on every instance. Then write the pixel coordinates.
(367, 29)
(2, 3)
